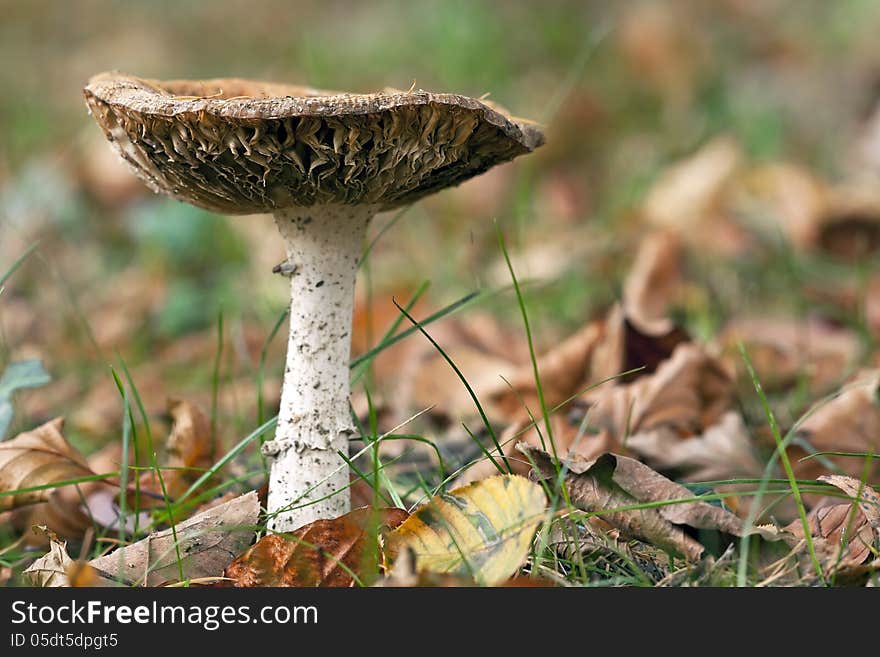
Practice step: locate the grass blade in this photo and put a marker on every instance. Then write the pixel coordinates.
(464, 381)
(786, 463)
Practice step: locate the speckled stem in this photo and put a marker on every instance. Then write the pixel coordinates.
(309, 480)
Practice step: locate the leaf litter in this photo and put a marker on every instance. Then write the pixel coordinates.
(641, 376)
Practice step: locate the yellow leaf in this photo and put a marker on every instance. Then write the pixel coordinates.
(483, 529)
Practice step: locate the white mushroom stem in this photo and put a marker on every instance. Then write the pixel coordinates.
(309, 480)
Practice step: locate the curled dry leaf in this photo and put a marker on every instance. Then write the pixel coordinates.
(849, 228)
(848, 423)
(611, 482)
(64, 513)
(655, 281)
(688, 393)
(844, 536)
(627, 344)
(868, 498)
(323, 553)
(723, 451)
(483, 529)
(207, 542)
(50, 570)
(600, 350)
(841, 538)
(34, 458)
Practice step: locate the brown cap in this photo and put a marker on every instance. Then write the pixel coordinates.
(243, 147)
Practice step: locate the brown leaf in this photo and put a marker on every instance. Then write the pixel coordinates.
(844, 535)
(848, 423)
(567, 436)
(688, 197)
(36, 458)
(789, 195)
(323, 553)
(687, 394)
(868, 498)
(627, 344)
(655, 280)
(563, 370)
(783, 350)
(613, 481)
(50, 570)
(207, 542)
(723, 451)
(64, 514)
(189, 449)
(419, 377)
(850, 226)
(829, 526)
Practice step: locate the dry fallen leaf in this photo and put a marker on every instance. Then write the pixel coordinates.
(207, 543)
(188, 452)
(483, 529)
(50, 570)
(848, 423)
(687, 197)
(600, 350)
(627, 345)
(613, 481)
(849, 228)
(844, 536)
(34, 458)
(786, 197)
(868, 498)
(419, 377)
(783, 350)
(655, 281)
(563, 370)
(323, 553)
(64, 513)
(723, 451)
(841, 538)
(687, 394)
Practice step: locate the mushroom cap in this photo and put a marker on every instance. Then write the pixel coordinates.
(242, 147)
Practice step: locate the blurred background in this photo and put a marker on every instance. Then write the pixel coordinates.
(747, 127)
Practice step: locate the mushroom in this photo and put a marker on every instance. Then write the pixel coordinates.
(323, 163)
